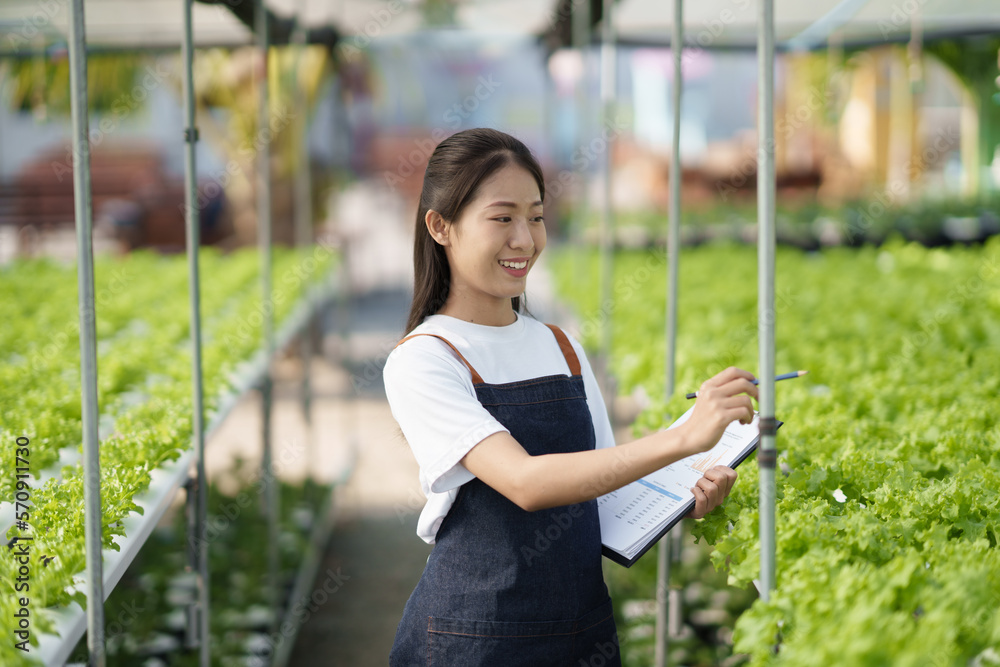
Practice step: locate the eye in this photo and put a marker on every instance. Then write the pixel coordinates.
(538, 218)
(502, 218)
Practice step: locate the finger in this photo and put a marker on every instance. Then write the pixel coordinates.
(739, 407)
(731, 476)
(700, 503)
(725, 478)
(712, 492)
(733, 373)
(740, 385)
(728, 375)
(717, 476)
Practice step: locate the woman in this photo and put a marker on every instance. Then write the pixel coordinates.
(504, 417)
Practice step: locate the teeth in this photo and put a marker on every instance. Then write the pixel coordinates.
(513, 265)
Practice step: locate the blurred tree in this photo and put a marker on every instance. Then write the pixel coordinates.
(227, 118)
(41, 84)
(227, 99)
(974, 60)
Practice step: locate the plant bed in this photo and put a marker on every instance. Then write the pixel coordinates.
(889, 503)
(144, 398)
(147, 612)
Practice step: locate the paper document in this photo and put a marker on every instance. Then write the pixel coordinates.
(637, 515)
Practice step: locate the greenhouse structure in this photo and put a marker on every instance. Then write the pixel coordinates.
(201, 466)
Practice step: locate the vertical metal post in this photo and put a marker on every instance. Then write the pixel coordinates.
(674, 219)
(303, 223)
(581, 40)
(767, 456)
(550, 106)
(88, 334)
(608, 85)
(677, 534)
(264, 243)
(660, 655)
(198, 626)
(673, 254)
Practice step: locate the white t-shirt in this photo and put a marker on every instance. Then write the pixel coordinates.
(432, 397)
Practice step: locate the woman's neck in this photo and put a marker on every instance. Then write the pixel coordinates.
(497, 313)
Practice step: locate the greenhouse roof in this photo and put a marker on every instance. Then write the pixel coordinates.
(157, 24)
(805, 25)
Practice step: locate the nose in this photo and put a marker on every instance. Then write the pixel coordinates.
(520, 236)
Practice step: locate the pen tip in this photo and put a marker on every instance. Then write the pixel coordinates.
(801, 373)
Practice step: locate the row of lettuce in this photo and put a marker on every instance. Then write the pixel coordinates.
(888, 508)
(144, 387)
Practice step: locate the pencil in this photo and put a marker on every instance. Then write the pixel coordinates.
(783, 376)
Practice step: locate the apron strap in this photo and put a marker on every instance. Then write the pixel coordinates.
(564, 346)
(567, 349)
(476, 378)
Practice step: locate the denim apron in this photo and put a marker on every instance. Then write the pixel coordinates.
(504, 587)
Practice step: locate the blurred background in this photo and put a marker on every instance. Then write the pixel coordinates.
(887, 135)
(898, 105)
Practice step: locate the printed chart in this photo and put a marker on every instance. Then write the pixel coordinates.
(636, 515)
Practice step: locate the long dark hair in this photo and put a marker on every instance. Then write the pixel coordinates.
(455, 169)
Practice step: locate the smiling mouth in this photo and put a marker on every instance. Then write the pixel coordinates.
(513, 265)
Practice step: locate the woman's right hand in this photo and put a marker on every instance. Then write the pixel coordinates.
(721, 400)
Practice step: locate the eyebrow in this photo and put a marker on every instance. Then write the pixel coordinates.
(510, 204)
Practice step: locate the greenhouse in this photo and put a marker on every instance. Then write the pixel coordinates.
(454, 332)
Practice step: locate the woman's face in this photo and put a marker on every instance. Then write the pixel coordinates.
(494, 243)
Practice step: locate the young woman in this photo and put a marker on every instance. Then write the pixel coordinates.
(505, 419)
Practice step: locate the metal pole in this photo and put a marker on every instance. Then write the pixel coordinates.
(198, 626)
(88, 334)
(549, 106)
(767, 456)
(264, 243)
(581, 40)
(674, 221)
(677, 534)
(608, 85)
(303, 224)
(673, 251)
(660, 654)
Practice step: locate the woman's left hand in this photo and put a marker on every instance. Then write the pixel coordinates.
(711, 490)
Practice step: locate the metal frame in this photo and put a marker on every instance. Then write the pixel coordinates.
(83, 211)
(166, 481)
(303, 220)
(609, 65)
(88, 334)
(581, 41)
(766, 193)
(197, 631)
(664, 550)
(765, 286)
(170, 477)
(269, 498)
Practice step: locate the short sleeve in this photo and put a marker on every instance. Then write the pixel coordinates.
(603, 433)
(432, 398)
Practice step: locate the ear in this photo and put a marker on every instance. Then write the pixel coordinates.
(438, 227)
